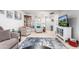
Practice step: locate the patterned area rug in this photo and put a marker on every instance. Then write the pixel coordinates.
(41, 43)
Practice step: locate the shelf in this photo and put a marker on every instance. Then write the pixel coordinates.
(60, 37)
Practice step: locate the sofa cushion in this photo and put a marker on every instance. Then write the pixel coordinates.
(14, 35)
(8, 43)
(1, 28)
(4, 35)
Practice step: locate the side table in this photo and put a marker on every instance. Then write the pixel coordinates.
(18, 33)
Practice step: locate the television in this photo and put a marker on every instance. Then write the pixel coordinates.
(63, 21)
(38, 26)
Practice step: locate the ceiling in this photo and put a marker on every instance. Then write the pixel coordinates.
(35, 12)
(43, 12)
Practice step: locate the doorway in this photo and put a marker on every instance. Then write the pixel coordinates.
(27, 20)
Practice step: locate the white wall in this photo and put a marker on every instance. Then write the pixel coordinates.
(41, 17)
(45, 18)
(11, 23)
(55, 22)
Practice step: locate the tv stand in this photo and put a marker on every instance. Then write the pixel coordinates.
(64, 33)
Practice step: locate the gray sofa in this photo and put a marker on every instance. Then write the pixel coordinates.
(8, 40)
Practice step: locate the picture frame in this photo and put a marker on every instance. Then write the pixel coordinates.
(9, 14)
(17, 15)
(52, 20)
(1, 11)
(20, 17)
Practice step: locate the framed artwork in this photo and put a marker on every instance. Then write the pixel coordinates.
(1, 11)
(9, 14)
(20, 17)
(17, 15)
(52, 20)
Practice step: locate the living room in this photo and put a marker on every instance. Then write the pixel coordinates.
(20, 26)
(39, 29)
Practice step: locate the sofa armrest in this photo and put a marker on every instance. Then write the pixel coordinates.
(14, 35)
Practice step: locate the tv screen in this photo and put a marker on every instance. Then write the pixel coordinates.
(63, 21)
(38, 26)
